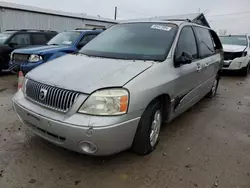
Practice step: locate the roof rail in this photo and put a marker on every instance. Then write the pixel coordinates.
(37, 30)
(12, 30)
(90, 29)
(81, 29)
(170, 19)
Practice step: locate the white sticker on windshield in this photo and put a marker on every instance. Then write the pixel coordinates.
(161, 27)
(67, 42)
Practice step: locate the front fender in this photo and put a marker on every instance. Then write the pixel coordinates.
(56, 55)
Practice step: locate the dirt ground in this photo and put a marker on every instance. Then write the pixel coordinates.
(207, 147)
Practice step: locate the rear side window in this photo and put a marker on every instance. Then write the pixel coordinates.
(39, 39)
(21, 39)
(187, 43)
(205, 42)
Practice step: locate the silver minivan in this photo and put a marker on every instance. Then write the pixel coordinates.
(120, 88)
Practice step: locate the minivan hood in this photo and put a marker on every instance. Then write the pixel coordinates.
(233, 48)
(87, 74)
(40, 50)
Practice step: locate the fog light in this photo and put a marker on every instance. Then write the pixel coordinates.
(88, 147)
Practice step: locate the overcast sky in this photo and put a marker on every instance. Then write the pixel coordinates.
(215, 10)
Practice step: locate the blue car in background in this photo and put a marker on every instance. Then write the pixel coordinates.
(25, 59)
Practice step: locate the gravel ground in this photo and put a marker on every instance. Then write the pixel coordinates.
(207, 147)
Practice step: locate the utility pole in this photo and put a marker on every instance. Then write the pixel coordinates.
(115, 13)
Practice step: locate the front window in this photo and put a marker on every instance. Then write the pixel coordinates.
(234, 40)
(137, 41)
(4, 37)
(65, 38)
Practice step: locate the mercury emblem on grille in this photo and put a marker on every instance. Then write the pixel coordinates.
(42, 94)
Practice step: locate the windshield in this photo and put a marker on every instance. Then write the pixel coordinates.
(66, 38)
(137, 41)
(4, 37)
(234, 40)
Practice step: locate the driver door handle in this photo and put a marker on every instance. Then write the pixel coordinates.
(199, 68)
(207, 64)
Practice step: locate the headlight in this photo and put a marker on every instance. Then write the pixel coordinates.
(35, 58)
(11, 56)
(106, 102)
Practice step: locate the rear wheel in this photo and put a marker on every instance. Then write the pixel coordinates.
(147, 134)
(214, 88)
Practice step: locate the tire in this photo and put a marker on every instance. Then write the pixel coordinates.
(212, 93)
(149, 124)
(245, 71)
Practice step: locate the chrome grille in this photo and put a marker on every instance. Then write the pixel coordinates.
(20, 58)
(51, 97)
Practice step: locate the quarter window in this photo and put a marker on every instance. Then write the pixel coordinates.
(187, 43)
(205, 42)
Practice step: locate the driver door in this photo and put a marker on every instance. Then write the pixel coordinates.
(190, 76)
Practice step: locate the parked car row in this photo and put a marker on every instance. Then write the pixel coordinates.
(25, 59)
(118, 90)
(236, 53)
(14, 39)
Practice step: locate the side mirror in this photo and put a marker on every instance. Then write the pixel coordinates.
(12, 44)
(185, 58)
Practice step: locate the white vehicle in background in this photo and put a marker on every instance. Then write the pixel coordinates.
(236, 53)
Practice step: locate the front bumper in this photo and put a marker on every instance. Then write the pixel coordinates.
(25, 67)
(236, 64)
(109, 139)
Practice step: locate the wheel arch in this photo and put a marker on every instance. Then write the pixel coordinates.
(165, 100)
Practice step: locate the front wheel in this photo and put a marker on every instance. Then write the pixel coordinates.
(147, 134)
(245, 70)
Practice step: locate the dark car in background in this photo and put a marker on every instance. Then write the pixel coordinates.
(13, 39)
(26, 59)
